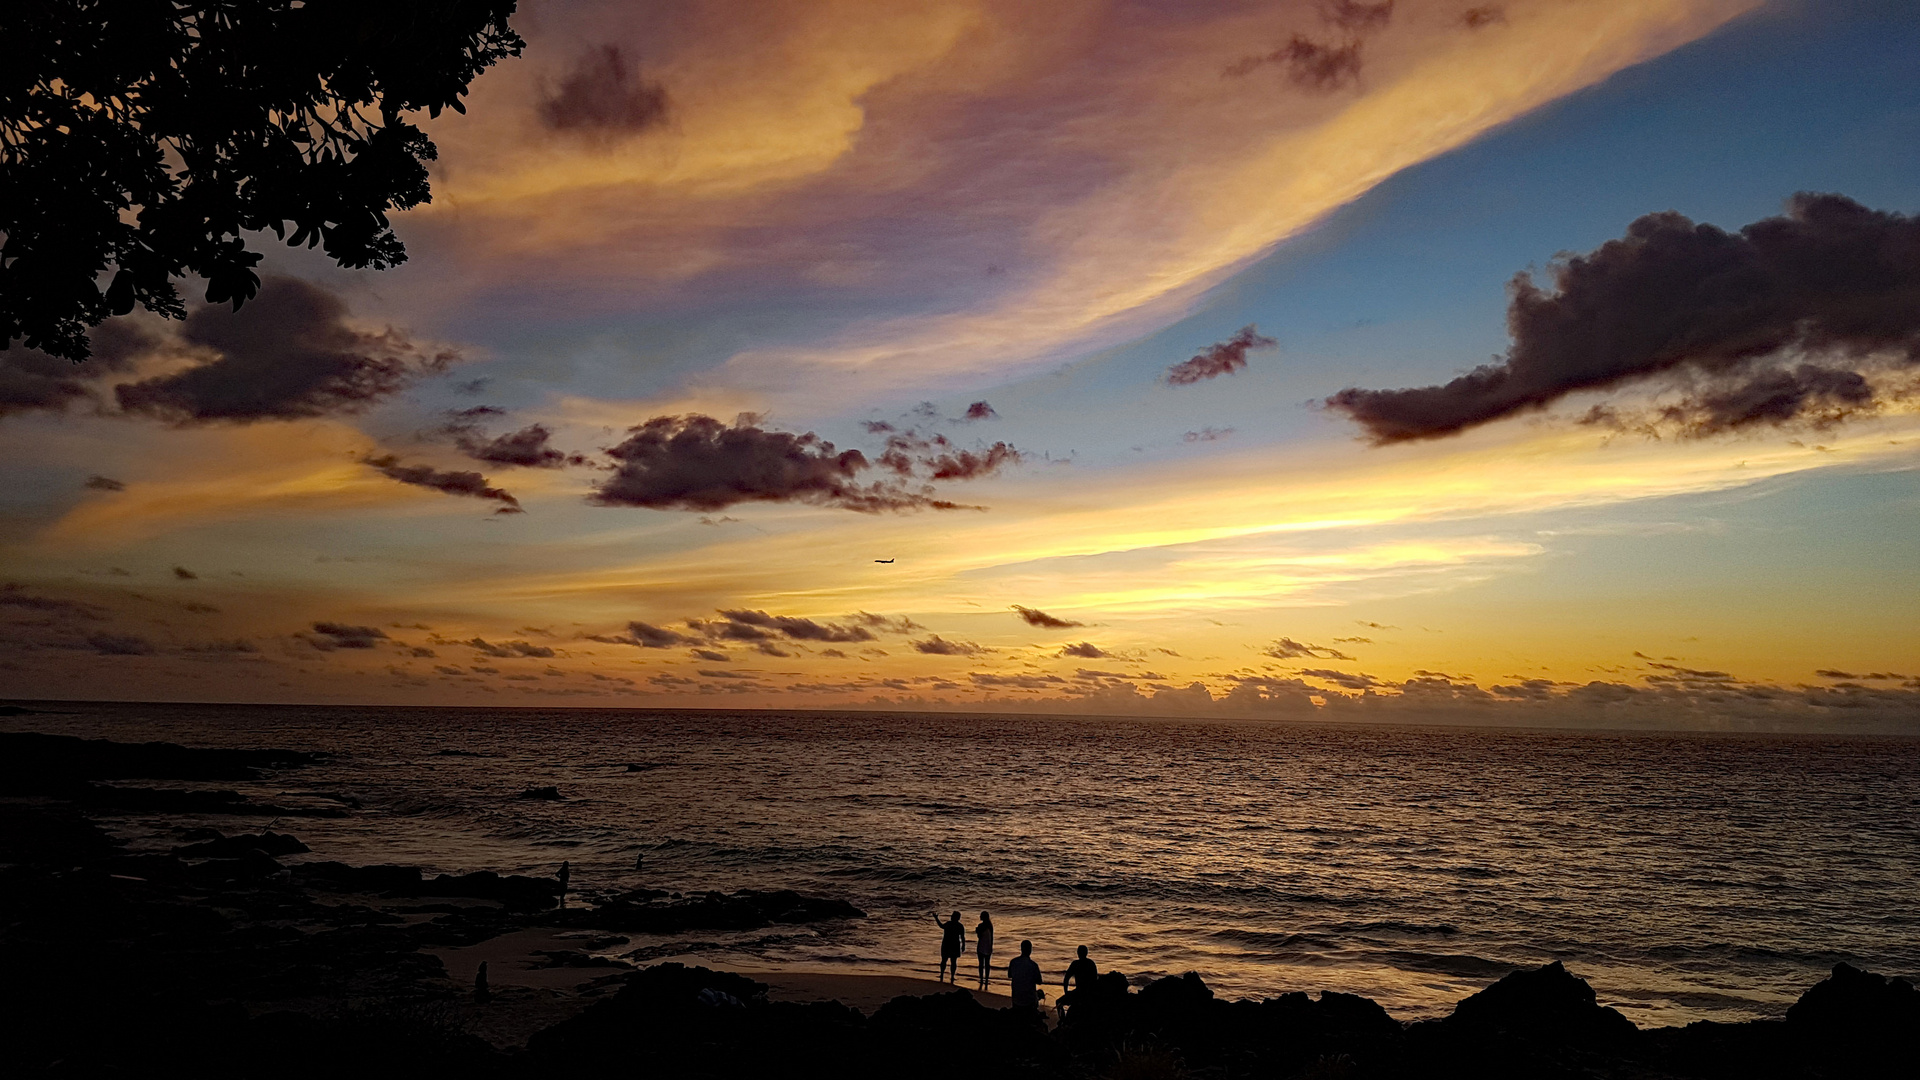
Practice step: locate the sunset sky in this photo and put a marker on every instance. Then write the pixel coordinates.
(1104, 295)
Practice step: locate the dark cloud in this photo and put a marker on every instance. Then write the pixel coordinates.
(602, 95)
(1341, 678)
(185, 574)
(939, 646)
(31, 380)
(1830, 673)
(1086, 650)
(1210, 434)
(793, 627)
(969, 465)
(697, 463)
(709, 654)
(1221, 358)
(527, 448)
(12, 594)
(224, 646)
(1475, 18)
(1315, 65)
(1353, 641)
(508, 650)
(1289, 649)
(644, 636)
(287, 355)
(1830, 279)
(1094, 674)
(328, 636)
(1526, 690)
(1036, 617)
(1819, 396)
(1023, 682)
(1686, 674)
(1356, 17)
(938, 458)
(900, 625)
(104, 483)
(470, 484)
(120, 644)
(980, 410)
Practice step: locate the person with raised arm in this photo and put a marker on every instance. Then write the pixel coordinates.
(953, 942)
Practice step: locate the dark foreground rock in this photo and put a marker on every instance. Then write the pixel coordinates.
(671, 1020)
(33, 763)
(94, 773)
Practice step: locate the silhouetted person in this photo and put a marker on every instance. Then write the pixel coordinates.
(565, 875)
(983, 948)
(1078, 982)
(952, 942)
(640, 861)
(481, 993)
(1023, 975)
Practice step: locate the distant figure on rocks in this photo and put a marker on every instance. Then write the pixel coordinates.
(983, 948)
(481, 993)
(1024, 976)
(1078, 982)
(640, 861)
(565, 875)
(952, 942)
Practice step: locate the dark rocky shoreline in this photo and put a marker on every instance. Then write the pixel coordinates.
(219, 958)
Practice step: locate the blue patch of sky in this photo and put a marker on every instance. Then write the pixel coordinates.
(1407, 285)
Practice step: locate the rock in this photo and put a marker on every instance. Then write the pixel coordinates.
(35, 764)
(513, 890)
(1860, 1021)
(1852, 1003)
(50, 835)
(1184, 994)
(1547, 1003)
(384, 878)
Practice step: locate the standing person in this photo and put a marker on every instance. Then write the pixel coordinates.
(952, 942)
(983, 948)
(565, 875)
(1024, 976)
(1078, 982)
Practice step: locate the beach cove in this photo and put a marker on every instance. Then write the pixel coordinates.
(235, 939)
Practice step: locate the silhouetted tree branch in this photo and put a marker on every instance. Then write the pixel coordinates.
(143, 139)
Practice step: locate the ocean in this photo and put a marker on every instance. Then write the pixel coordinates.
(1686, 876)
